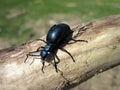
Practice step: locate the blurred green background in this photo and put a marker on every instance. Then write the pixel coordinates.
(21, 21)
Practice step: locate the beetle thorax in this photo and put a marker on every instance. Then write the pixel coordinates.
(47, 48)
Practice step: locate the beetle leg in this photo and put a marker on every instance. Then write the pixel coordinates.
(41, 40)
(43, 65)
(30, 54)
(34, 60)
(39, 49)
(26, 58)
(55, 63)
(67, 53)
(57, 59)
(77, 41)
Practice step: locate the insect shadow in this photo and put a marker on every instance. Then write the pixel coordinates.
(58, 36)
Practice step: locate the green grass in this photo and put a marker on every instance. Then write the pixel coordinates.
(17, 18)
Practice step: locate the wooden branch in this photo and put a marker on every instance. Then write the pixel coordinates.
(101, 53)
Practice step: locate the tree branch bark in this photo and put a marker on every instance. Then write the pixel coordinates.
(102, 52)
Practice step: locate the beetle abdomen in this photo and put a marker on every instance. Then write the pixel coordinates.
(58, 33)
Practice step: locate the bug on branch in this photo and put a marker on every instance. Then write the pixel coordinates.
(58, 36)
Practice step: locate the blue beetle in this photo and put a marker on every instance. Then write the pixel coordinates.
(55, 38)
(58, 36)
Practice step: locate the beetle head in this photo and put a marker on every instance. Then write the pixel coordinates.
(43, 54)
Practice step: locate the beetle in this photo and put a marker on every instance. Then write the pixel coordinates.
(58, 36)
